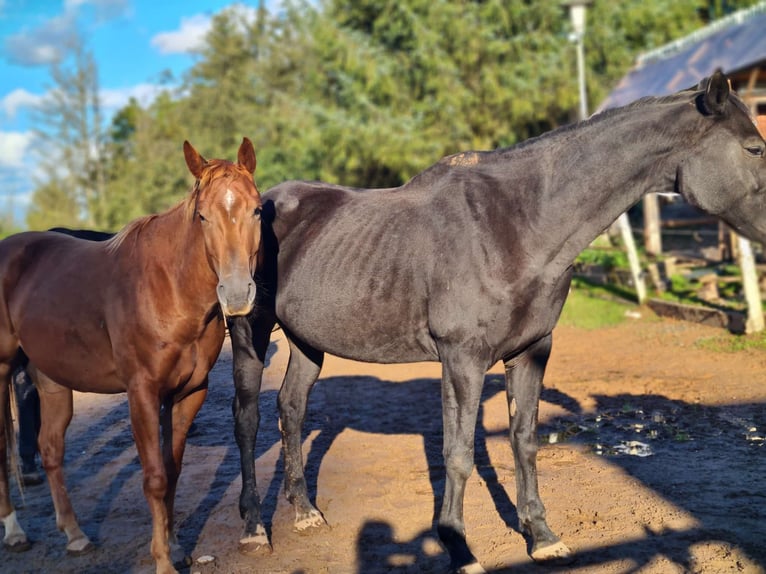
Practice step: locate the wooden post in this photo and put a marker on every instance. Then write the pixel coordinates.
(635, 266)
(652, 232)
(750, 285)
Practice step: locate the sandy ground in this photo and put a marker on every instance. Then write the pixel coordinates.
(696, 503)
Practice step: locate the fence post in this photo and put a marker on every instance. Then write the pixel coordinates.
(750, 285)
(635, 266)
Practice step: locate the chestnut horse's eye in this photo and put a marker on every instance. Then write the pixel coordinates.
(201, 217)
(257, 212)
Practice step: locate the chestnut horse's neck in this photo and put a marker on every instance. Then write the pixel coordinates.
(171, 244)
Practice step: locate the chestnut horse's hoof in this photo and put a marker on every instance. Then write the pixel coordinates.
(255, 545)
(80, 550)
(79, 546)
(556, 554)
(18, 546)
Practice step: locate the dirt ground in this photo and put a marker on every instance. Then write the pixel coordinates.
(695, 503)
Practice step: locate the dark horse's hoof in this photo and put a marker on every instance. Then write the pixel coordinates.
(254, 549)
(556, 554)
(184, 562)
(255, 544)
(473, 568)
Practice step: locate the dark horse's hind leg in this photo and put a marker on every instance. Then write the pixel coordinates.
(249, 340)
(524, 378)
(302, 372)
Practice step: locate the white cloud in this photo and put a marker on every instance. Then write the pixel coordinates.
(188, 38)
(104, 9)
(43, 45)
(17, 99)
(49, 42)
(117, 98)
(14, 148)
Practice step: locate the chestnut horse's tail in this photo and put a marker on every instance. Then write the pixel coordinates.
(12, 413)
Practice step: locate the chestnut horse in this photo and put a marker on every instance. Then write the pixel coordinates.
(142, 313)
(469, 263)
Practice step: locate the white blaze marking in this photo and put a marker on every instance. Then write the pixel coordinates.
(228, 201)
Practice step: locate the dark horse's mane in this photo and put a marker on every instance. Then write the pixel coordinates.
(686, 95)
(602, 116)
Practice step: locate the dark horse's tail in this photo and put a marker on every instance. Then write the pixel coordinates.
(14, 461)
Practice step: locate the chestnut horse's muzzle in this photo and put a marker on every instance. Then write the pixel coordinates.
(236, 294)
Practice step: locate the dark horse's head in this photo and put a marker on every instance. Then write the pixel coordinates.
(228, 214)
(725, 171)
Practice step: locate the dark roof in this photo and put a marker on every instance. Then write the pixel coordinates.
(733, 43)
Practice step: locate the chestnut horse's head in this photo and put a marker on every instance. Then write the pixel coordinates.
(228, 213)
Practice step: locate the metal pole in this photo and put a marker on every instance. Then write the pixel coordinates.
(581, 77)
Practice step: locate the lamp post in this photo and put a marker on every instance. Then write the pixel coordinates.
(577, 14)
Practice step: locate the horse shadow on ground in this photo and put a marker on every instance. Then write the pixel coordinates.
(721, 454)
(102, 449)
(706, 460)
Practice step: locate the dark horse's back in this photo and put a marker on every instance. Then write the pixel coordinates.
(391, 271)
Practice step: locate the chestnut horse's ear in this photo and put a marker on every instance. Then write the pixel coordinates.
(246, 155)
(716, 93)
(194, 160)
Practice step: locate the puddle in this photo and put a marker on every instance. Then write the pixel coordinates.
(633, 431)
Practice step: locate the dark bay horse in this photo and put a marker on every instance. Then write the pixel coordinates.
(469, 263)
(141, 313)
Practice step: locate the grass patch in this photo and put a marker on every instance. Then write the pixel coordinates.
(593, 307)
(729, 343)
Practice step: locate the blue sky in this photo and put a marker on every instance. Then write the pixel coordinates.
(133, 41)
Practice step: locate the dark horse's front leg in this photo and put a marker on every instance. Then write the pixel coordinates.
(249, 341)
(524, 380)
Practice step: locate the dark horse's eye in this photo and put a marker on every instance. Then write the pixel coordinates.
(755, 150)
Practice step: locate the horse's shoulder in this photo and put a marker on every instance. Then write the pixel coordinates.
(293, 197)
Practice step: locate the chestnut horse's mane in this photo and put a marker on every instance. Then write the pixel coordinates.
(215, 168)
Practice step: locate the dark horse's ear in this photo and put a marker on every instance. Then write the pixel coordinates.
(716, 93)
(194, 160)
(246, 155)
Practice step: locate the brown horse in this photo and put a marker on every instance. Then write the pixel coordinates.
(141, 313)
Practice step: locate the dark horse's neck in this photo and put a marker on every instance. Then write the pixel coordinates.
(578, 179)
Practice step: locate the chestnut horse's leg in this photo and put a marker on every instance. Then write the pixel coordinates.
(524, 379)
(144, 404)
(55, 416)
(250, 338)
(302, 372)
(176, 420)
(15, 538)
(462, 380)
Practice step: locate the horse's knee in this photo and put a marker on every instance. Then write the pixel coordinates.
(459, 463)
(155, 484)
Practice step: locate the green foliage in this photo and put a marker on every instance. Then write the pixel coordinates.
(607, 258)
(366, 93)
(593, 308)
